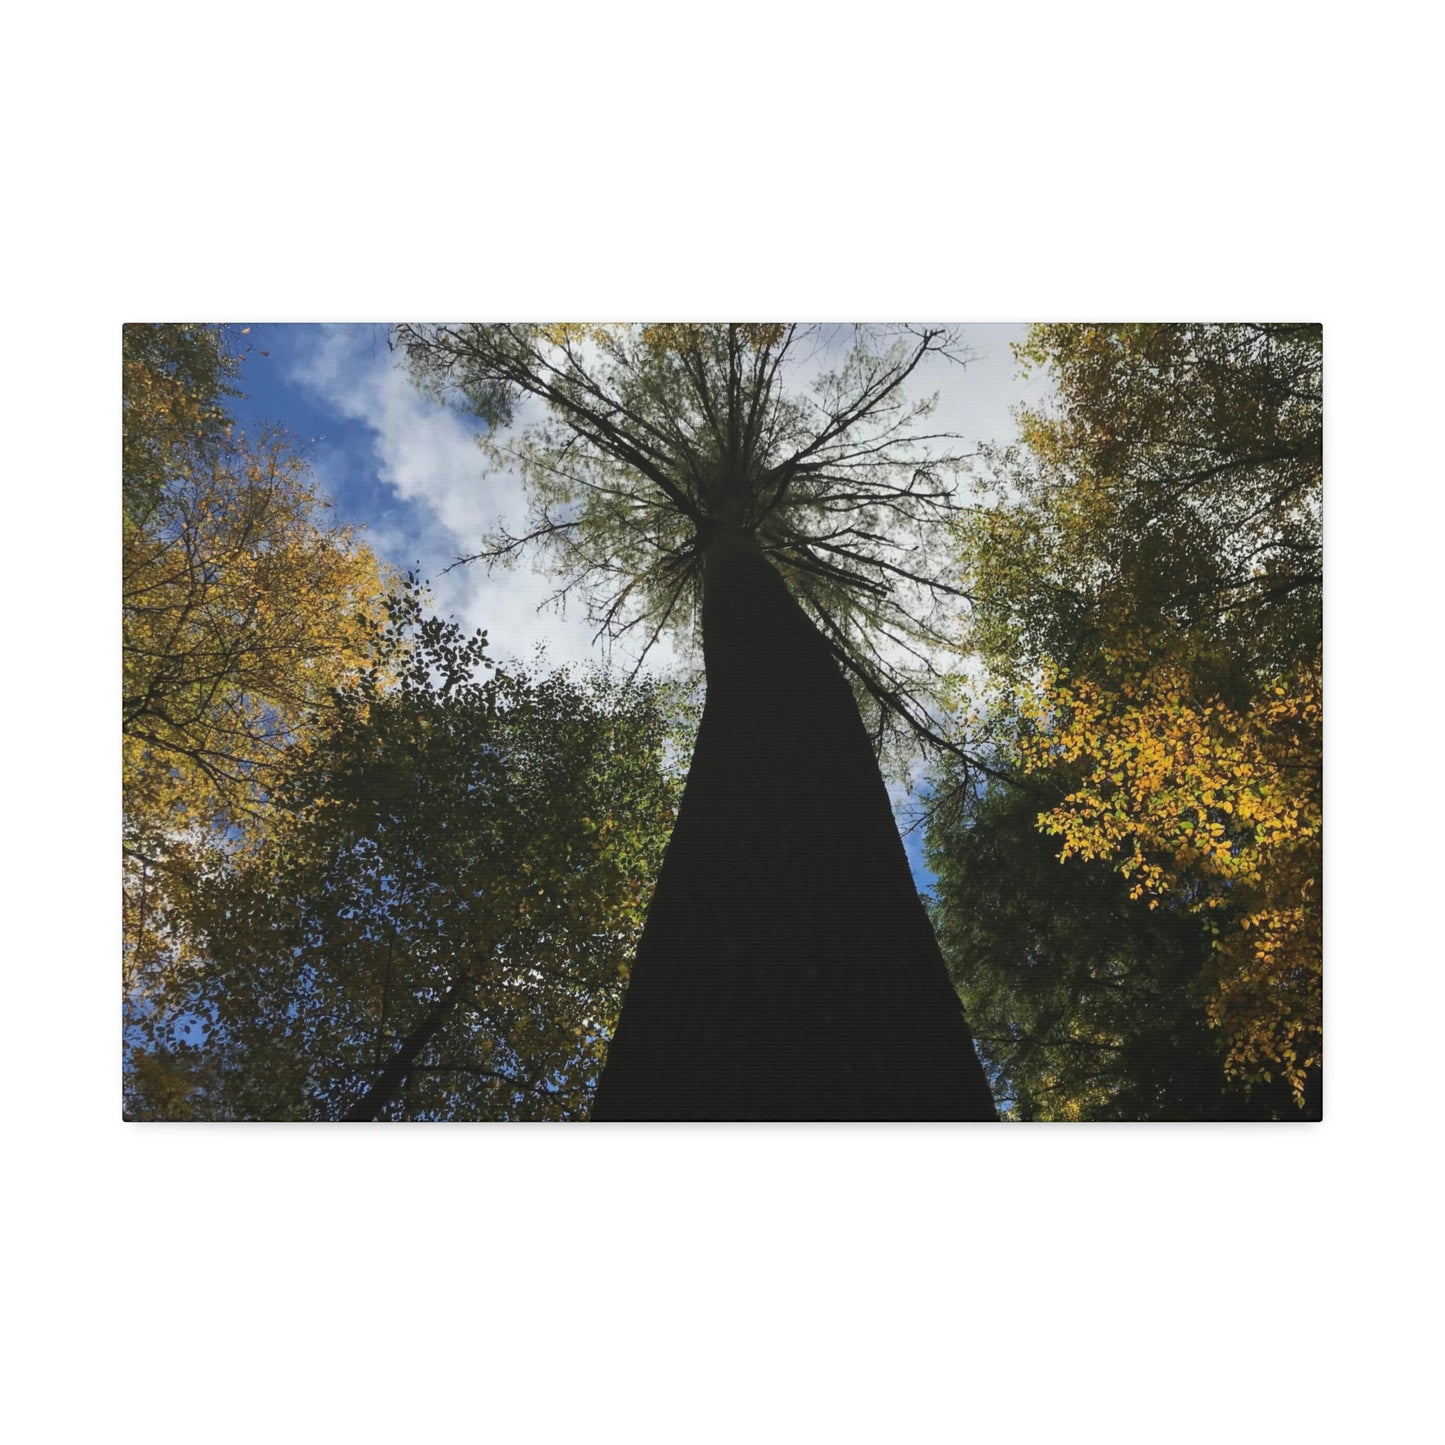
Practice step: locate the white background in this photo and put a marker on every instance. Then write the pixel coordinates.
(290, 162)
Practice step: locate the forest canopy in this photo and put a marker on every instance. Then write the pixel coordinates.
(376, 868)
(1147, 570)
(368, 873)
(653, 439)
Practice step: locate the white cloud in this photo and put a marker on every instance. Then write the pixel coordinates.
(429, 458)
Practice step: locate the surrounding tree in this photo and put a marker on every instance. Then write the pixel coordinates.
(1220, 813)
(442, 917)
(242, 607)
(1085, 1005)
(682, 481)
(1147, 582)
(175, 383)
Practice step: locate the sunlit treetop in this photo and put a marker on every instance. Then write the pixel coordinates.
(176, 380)
(1172, 486)
(243, 604)
(1148, 585)
(640, 444)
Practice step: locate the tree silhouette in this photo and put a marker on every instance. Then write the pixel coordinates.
(680, 480)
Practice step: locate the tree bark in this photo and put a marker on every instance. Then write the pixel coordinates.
(788, 969)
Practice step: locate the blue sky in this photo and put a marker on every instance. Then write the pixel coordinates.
(410, 475)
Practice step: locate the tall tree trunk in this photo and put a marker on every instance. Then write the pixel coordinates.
(788, 969)
(389, 1082)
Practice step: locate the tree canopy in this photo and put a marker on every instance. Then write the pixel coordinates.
(640, 443)
(175, 384)
(369, 873)
(442, 917)
(242, 606)
(1147, 576)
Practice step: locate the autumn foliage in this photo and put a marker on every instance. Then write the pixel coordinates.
(1213, 810)
(1147, 577)
(242, 607)
(367, 873)
(441, 921)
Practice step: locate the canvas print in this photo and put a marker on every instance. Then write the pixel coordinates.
(711, 721)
